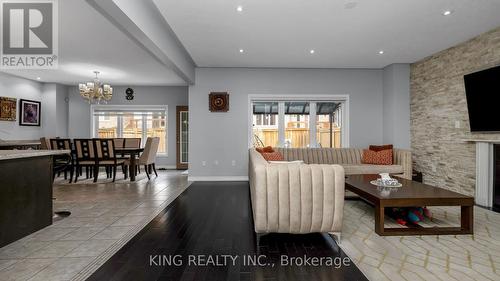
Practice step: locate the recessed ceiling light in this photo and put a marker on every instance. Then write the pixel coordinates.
(38, 78)
(311, 51)
(239, 9)
(241, 50)
(350, 5)
(447, 13)
(381, 52)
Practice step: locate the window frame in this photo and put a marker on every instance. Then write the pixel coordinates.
(312, 99)
(94, 122)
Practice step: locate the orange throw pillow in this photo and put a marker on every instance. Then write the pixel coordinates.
(273, 156)
(267, 149)
(383, 157)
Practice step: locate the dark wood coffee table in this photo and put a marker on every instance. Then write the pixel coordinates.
(412, 194)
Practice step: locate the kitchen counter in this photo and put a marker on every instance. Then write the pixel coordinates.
(16, 154)
(19, 144)
(25, 192)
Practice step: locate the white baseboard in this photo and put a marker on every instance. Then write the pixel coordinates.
(218, 178)
(168, 167)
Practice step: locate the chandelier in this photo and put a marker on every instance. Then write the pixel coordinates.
(95, 92)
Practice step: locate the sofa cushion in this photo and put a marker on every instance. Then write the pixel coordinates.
(372, 169)
(323, 155)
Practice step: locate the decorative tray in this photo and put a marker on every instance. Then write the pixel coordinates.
(380, 183)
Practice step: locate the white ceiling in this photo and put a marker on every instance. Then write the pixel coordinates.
(280, 33)
(88, 42)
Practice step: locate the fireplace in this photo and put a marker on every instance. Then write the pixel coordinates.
(496, 177)
(487, 173)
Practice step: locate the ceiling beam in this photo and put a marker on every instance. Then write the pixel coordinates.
(143, 23)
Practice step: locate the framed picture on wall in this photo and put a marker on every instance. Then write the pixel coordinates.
(8, 109)
(30, 113)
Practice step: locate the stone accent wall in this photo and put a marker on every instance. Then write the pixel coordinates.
(437, 102)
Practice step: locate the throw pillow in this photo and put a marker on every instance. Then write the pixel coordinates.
(273, 156)
(381, 147)
(267, 149)
(383, 157)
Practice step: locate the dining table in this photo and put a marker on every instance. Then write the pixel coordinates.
(132, 152)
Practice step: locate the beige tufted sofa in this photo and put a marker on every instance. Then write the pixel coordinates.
(296, 198)
(309, 197)
(350, 159)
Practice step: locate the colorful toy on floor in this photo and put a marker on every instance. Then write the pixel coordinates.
(406, 215)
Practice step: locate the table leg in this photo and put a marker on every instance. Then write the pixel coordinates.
(467, 219)
(132, 166)
(379, 219)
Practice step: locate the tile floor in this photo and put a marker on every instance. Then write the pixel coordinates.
(444, 257)
(104, 217)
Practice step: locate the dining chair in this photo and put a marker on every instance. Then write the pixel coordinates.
(148, 157)
(60, 144)
(106, 156)
(132, 143)
(44, 143)
(85, 157)
(62, 164)
(119, 142)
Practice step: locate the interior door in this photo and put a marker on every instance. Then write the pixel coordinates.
(182, 137)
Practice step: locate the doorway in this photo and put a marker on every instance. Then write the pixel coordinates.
(182, 128)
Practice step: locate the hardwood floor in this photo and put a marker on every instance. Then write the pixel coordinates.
(211, 220)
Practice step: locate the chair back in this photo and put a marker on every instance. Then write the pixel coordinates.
(45, 143)
(84, 150)
(132, 143)
(60, 144)
(150, 150)
(104, 149)
(119, 142)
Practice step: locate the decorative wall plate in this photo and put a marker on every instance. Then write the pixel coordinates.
(218, 102)
(129, 94)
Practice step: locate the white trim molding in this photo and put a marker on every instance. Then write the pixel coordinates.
(218, 178)
(168, 167)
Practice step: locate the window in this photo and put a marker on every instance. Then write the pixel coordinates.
(265, 123)
(111, 121)
(328, 129)
(108, 126)
(298, 123)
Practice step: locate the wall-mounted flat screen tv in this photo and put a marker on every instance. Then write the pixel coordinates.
(482, 90)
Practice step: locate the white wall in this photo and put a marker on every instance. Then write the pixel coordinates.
(79, 111)
(49, 110)
(396, 105)
(62, 110)
(54, 110)
(224, 136)
(19, 88)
